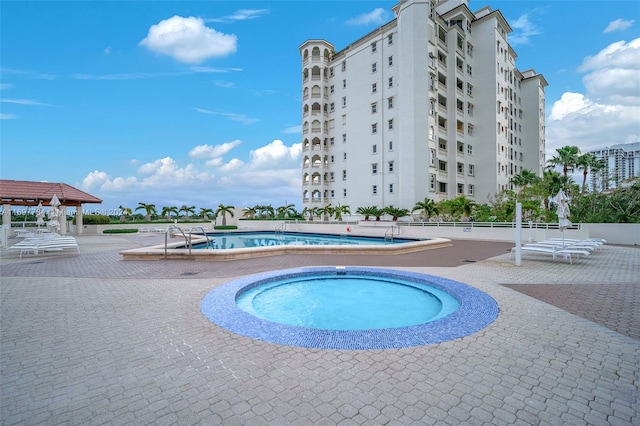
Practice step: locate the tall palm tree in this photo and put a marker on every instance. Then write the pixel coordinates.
(567, 158)
(427, 207)
(589, 163)
(311, 211)
(187, 210)
(167, 211)
(150, 209)
(287, 211)
(549, 185)
(223, 210)
(339, 210)
(464, 206)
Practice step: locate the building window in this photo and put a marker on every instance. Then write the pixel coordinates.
(374, 88)
(374, 67)
(344, 84)
(469, 70)
(374, 108)
(390, 102)
(344, 155)
(344, 175)
(470, 189)
(374, 169)
(344, 101)
(331, 176)
(374, 189)
(331, 141)
(374, 128)
(333, 194)
(331, 72)
(469, 89)
(344, 137)
(374, 47)
(460, 188)
(390, 81)
(470, 149)
(390, 124)
(460, 168)
(332, 106)
(374, 148)
(390, 39)
(432, 182)
(442, 186)
(470, 129)
(442, 165)
(344, 192)
(432, 160)
(470, 109)
(390, 60)
(390, 145)
(390, 166)
(332, 89)
(332, 159)
(471, 170)
(390, 188)
(344, 65)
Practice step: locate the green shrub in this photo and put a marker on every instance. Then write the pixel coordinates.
(120, 231)
(221, 227)
(94, 219)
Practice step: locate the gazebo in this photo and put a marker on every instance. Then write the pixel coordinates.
(28, 193)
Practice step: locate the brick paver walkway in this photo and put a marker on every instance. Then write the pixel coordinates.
(90, 339)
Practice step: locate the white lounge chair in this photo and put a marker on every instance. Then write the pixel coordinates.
(559, 245)
(41, 245)
(552, 251)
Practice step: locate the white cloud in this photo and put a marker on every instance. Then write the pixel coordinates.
(188, 40)
(241, 15)
(4, 116)
(276, 153)
(107, 50)
(23, 102)
(618, 25)
(271, 177)
(5, 86)
(231, 116)
(376, 16)
(523, 30)
(209, 151)
(293, 129)
(608, 112)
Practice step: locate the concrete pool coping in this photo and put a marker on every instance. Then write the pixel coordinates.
(174, 250)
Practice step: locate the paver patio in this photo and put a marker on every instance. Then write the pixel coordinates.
(91, 339)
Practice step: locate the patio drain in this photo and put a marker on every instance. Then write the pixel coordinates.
(189, 273)
(469, 261)
(37, 262)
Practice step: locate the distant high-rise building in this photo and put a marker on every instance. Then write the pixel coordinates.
(429, 105)
(622, 163)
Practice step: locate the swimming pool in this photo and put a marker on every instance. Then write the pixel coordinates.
(333, 244)
(476, 311)
(235, 240)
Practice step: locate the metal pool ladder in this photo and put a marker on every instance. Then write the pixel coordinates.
(187, 240)
(388, 235)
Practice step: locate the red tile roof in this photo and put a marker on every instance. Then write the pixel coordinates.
(27, 193)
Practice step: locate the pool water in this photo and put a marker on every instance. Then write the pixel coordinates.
(234, 240)
(335, 302)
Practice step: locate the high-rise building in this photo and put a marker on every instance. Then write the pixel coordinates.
(621, 161)
(429, 105)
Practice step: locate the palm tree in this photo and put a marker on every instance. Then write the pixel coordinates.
(396, 212)
(205, 212)
(589, 163)
(367, 212)
(187, 210)
(311, 211)
(223, 210)
(167, 211)
(150, 209)
(268, 210)
(427, 207)
(326, 211)
(249, 212)
(524, 179)
(567, 158)
(464, 206)
(549, 185)
(287, 211)
(124, 212)
(339, 210)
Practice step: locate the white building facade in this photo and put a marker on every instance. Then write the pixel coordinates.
(622, 163)
(429, 105)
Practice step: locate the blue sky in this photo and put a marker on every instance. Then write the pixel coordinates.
(198, 103)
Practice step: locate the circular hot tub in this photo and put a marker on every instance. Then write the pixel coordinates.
(349, 308)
